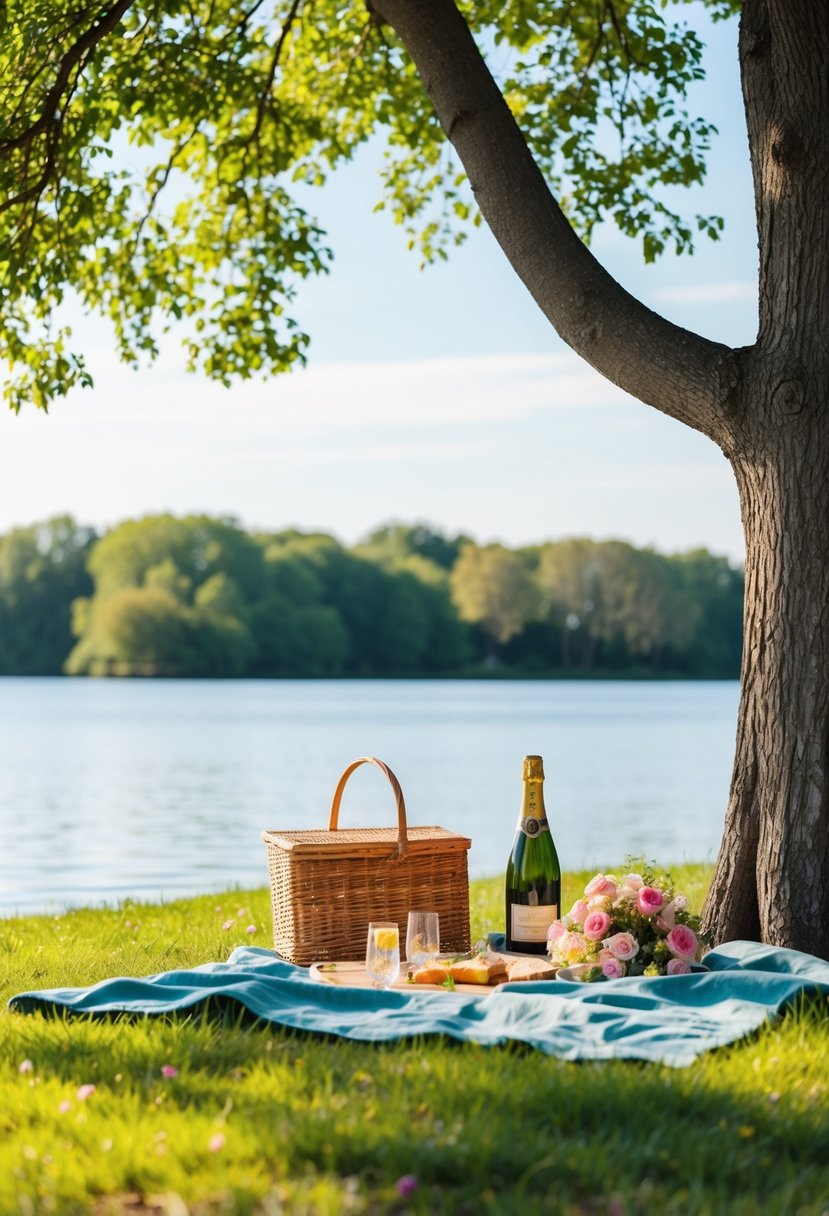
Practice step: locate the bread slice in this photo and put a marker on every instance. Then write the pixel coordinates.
(482, 969)
(529, 969)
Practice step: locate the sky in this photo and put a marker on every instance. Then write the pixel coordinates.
(440, 395)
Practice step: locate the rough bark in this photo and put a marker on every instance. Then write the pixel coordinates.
(772, 876)
(765, 406)
(771, 879)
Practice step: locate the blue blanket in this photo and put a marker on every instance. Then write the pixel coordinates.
(669, 1019)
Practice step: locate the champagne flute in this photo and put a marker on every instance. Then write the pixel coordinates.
(422, 937)
(383, 953)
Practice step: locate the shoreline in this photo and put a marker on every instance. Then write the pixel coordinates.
(479, 887)
(553, 675)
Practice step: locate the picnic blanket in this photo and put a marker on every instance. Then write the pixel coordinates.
(667, 1019)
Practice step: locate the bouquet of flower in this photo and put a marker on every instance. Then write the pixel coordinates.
(633, 925)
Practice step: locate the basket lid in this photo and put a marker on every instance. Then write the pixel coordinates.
(369, 840)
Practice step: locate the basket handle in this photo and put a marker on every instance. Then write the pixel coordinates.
(402, 839)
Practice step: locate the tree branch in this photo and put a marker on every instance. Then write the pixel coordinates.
(678, 372)
(74, 57)
(160, 184)
(275, 57)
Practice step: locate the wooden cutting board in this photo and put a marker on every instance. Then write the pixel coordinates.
(352, 974)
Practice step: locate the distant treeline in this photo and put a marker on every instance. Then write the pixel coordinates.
(200, 596)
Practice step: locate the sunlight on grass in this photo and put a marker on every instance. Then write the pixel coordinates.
(215, 1115)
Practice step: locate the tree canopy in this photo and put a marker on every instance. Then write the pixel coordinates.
(155, 158)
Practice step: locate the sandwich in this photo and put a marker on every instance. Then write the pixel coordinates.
(431, 973)
(529, 969)
(486, 968)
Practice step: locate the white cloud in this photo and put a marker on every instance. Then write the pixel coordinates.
(706, 293)
(378, 452)
(434, 392)
(159, 438)
(510, 445)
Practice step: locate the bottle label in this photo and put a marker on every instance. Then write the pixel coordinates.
(529, 923)
(531, 826)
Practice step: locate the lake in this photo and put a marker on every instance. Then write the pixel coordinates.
(160, 788)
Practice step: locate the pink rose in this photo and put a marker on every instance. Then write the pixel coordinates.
(626, 894)
(633, 880)
(571, 947)
(613, 969)
(555, 931)
(682, 941)
(623, 946)
(604, 954)
(596, 926)
(579, 911)
(678, 966)
(600, 902)
(601, 885)
(649, 900)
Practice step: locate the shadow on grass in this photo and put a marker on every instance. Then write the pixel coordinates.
(503, 1129)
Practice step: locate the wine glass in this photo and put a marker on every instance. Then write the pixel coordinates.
(383, 953)
(422, 937)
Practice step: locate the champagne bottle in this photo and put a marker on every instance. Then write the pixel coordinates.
(533, 878)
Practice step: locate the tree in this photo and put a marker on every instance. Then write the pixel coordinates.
(171, 597)
(394, 542)
(134, 631)
(295, 633)
(179, 553)
(42, 570)
(646, 609)
(447, 641)
(613, 606)
(764, 405)
(230, 105)
(715, 589)
(492, 587)
(420, 559)
(569, 579)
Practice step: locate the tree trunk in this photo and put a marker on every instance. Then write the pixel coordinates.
(771, 879)
(765, 406)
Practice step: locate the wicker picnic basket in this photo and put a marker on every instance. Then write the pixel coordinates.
(327, 885)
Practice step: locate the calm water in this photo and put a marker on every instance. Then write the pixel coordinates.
(161, 788)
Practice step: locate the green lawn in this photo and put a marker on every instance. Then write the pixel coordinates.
(254, 1119)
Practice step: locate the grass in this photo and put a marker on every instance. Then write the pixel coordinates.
(257, 1120)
